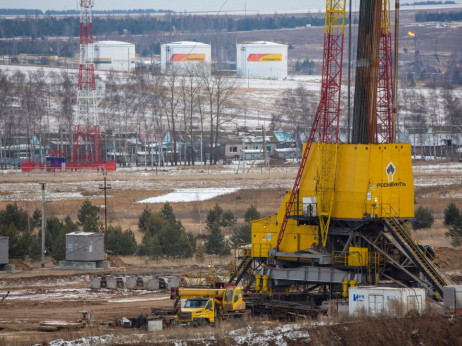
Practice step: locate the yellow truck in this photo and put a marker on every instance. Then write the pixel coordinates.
(207, 305)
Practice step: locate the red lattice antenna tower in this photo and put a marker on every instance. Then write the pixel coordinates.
(384, 88)
(86, 147)
(326, 122)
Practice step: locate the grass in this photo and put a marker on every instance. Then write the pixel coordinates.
(428, 329)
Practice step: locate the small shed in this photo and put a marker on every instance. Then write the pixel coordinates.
(3, 250)
(84, 247)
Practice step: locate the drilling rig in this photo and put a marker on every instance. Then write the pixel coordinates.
(86, 139)
(345, 221)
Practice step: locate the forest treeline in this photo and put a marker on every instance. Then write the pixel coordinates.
(37, 12)
(35, 26)
(447, 16)
(164, 235)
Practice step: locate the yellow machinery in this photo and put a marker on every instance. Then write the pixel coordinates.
(372, 181)
(206, 305)
(344, 221)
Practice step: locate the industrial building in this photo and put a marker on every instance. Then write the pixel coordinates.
(3, 250)
(261, 59)
(84, 247)
(184, 54)
(114, 55)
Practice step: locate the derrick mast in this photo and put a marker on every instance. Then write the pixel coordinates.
(86, 148)
(384, 133)
(326, 123)
(344, 221)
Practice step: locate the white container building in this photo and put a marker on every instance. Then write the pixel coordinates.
(114, 55)
(261, 59)
(184, 54)
(389, 300)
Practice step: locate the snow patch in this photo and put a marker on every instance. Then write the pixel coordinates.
(190, 195)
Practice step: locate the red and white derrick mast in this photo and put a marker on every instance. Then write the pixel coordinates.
(86, 139)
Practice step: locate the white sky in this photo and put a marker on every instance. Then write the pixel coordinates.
(175, 5)
(252, 6)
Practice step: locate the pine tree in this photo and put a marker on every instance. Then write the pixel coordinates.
(455, 232)
(150, 247)
(167, 213)
(243, 234)
(215, 243)
(251, 214)
(200, 253)
(451, 214)
(59, 247)
(422, 218)
(143, 218)
(88, 217)
(154, 224)
(119, 242)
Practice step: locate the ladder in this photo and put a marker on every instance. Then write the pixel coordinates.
(405, 238)
(241, 269)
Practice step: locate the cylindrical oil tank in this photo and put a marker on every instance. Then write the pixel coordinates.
(114, 55)
(184, 54)
(261, 59)
(84, 247)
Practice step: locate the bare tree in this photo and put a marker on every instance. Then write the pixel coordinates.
(190, 100)
(171, 102)
(67, 99)
(6, 103)
(155, 92)
(452, 105)
(218, 89)
(296, 111)
(418, 109)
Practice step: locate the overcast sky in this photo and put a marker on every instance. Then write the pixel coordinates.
(175, 5)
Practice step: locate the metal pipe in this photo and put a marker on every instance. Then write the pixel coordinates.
(394, 107)
(349, 75)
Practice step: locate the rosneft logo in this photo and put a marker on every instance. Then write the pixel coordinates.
(187, 57)
(390, 172)
(264, 57)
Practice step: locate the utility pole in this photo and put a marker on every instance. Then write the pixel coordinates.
(43, 224)
(265, 150)
(105, 187)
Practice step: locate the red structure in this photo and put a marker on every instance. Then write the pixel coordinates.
(384, 89)
(86, 144)
(326, 121)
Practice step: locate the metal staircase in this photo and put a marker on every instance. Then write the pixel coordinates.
(406, 239)
(241, 269)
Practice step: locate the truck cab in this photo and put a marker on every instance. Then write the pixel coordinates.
(232, 300)
(197, 311)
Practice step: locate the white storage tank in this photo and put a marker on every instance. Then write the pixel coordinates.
(84, 247)
(261, 59)
(114, 55)
(183, 54)
(390, 300)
